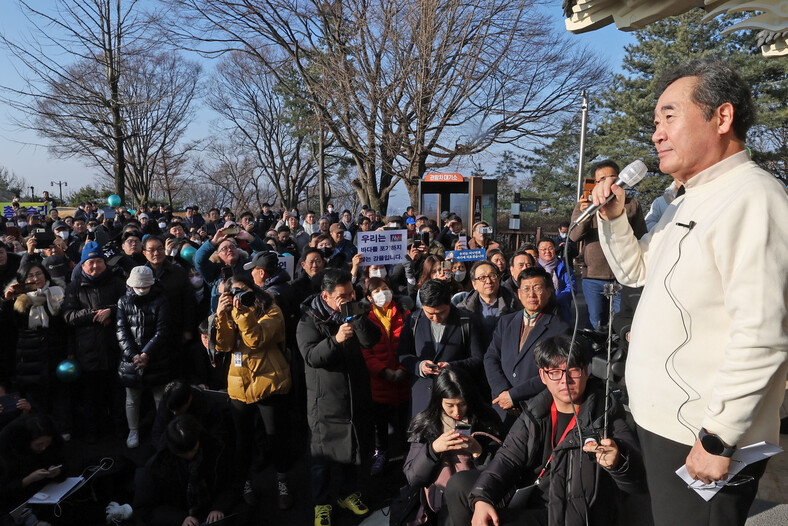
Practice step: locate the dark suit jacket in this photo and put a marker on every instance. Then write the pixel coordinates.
(509, 368)
(412, 351)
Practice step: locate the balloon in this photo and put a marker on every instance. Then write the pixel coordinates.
(113, 200)
(68, 371)
(132, 212)
(187, 252)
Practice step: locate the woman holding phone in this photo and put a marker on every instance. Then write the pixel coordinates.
(443, 440)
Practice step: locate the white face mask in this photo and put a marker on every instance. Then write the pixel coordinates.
(330, 209)
(382, 297)
(196, 281)
(162, 225)
(63, 235)
(141, 291)
(562, 235)
(459, 275)
(22, 224)
(377, 273)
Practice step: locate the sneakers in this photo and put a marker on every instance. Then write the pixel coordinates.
(249, 497)
(378, 463)
(353, 503)
(283, 498)
(133, 440)
(66, 437)
(323, 515)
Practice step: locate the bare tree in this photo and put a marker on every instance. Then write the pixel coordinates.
(250, 100)
(404, 86)
(234, 176)
(70, 44)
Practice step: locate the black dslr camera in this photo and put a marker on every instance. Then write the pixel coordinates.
(246, 297)
(352, 310)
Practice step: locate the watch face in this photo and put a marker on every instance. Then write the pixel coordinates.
(712, 444)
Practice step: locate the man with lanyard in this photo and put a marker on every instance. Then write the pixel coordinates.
(544, 450)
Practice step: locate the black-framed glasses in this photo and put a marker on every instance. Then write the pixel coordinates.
(556, 374)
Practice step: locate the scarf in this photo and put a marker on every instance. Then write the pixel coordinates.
(384, 316)
(551, 267)
(52, 297)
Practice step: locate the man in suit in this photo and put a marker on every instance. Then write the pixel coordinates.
(509, 362)
(436, 337)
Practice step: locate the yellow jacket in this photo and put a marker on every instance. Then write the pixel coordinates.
(260, 340)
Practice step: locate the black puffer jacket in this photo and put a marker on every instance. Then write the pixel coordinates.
(142, 327)
(96, 346)
(337, 379)
(574, 485)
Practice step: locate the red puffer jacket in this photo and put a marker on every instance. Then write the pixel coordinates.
(383, 355)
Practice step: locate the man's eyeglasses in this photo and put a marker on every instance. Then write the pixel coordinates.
(154, 250)
(537, 289)
(491, 278)
(557, 374)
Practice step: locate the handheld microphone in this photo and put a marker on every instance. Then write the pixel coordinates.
(629, 176)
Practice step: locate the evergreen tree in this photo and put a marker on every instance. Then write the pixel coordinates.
(621, 117)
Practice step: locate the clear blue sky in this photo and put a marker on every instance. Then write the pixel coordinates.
(24, 153)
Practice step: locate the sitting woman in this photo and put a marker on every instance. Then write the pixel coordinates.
(442, 440)
(30, 458)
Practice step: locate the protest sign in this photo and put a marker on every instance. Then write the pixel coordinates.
(382, 247)
(466, 255)
(288, 264)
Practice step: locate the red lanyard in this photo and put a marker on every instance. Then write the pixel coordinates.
(569, 427)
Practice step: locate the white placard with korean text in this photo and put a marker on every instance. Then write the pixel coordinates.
(382, 247)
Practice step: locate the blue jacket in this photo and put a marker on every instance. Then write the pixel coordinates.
(211, 270)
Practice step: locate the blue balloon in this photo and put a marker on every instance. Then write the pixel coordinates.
(187, 252)
(68, 371)
(113, 200)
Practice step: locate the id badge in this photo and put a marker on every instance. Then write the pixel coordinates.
(238, 359)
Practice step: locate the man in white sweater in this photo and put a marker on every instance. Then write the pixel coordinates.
(708, 352)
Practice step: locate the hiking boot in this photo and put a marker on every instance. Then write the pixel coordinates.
(378, 463)
(283, 498)
(133, 440)
(323, 515)
(353, 503)
(249, 497)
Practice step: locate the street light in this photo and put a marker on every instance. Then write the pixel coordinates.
(60, 184)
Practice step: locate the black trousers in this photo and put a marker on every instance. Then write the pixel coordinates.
(456, 500)
(274, 413)
(673, 504)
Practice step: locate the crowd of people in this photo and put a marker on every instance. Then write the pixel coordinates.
(465, 367)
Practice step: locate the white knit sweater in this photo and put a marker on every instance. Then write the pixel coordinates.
(709, 341)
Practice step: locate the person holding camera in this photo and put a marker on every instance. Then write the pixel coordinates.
(251, 326)
(480, 236)
(222, 251)
(331, 334)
